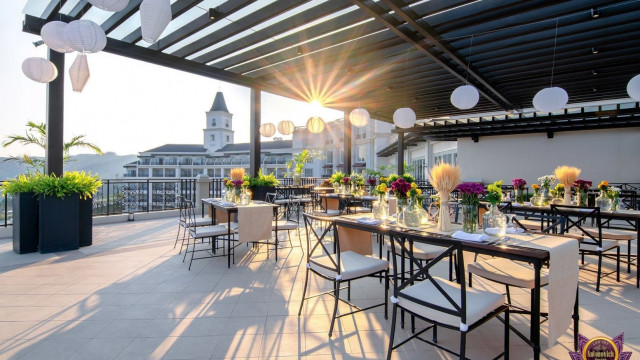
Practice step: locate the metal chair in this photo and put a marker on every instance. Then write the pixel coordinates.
(338, 267)
(200, 233)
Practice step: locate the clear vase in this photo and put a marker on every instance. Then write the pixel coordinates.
(343, 189)
(494, 223)
(297, 178)
(245, 198)
(614, 204)
(229, 196)
(582, 197)
(336, 188)
(603, 202)
(536, 199)
(444, 219)
(237, 192)
(380, 208)
(469, 218)
(402, 205)
(545, 198)
(520, 196)
(412, 215)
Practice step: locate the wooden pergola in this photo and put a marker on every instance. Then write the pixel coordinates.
(380, 55)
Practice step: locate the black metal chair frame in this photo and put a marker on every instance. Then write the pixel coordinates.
(191, 226)
(455, 247)
(569, 211)
(319, 245)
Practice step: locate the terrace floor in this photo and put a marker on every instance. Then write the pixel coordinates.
(130, 296)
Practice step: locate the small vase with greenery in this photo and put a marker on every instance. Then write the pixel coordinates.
(494, 223)
(299, 160)
(470, 200)
(262, 184)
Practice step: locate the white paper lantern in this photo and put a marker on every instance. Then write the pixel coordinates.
(550, 99)
(315, 124)
(39, 69)
(465, 97)
(633, 88)
(155, 15)
(110, 5)
(53, 36)
(267, 130)
(79, 73)
(404, 118)
(85, 36)
(286, 127)
(359, 117)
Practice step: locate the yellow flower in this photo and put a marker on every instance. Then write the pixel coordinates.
(246, 183)
(418, 192)
(414, 186)
(229, 183)
(382, 187)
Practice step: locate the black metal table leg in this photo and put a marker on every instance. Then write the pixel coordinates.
(535, 312)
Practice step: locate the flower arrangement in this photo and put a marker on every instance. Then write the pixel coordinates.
(603, 186)
(407, 177)
(494, 193)
(567, 175)
(470, 193)
(383, 180)
(519, 183)
(337, 177)
(400, 188)
(238, 184)
(613, 192)
(345, 180)
(444, 178)
(535, 187)
(357, 179)
(546, 181)
(582, 184)
(559, 188)
(237, 173)
(372, 181)
(415, 193)
(381, 189)
(326, 183)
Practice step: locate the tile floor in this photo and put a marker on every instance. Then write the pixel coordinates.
(130, 296)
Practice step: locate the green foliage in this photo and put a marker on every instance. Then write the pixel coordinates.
(337, 177)
(372, 172)
(36, 134)
(21, 184)
(494, 193)
(262, 180)
(300, 159)
(407, 177)
(72, 182)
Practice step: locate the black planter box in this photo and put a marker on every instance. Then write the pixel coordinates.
(260, 192)
(59, 223)
(86, 221)
(25, 223)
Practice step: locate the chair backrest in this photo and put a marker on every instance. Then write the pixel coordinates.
(577, 216)
(403, 248)
(190, 214)
(317, 239)
(271, 197)
(549, 223)
(182, 207)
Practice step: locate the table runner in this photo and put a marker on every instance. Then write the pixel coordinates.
(254, 222)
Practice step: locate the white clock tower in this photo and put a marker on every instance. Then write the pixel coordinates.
(218, 131)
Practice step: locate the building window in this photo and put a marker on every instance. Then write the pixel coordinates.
(157, 172)
(210, 172)
(213, 122)
(226, 123)
(328, 157)
(185, 172)
(212, 137)
(419, 169)
(197, 172)
(449, 157)
(169, 172)
(143, 172)
(228, 137)
(308, 172)
(361, 156)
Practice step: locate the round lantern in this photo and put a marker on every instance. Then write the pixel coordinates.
(155, 15)
(465, 97)
(110, 5)
(267, 130)
(359, 117)
(315, 124)
(404, 118)
(550, 99)
(285, 127)
(79, 73)
(53, 36)
(85, 36)
(633, 88)
(39, 69)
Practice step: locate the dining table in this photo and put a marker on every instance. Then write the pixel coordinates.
(334, 201)
(218, 207)
(521, 250)
(632, 217)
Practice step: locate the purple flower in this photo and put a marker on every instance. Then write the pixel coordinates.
(582, 184)
(519, 183)
(237, 183)
(372, 181)
(346, 180)
(471, 188)
(400, 188)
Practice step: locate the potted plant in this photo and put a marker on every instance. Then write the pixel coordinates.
(299, 159)
(25, 213)
(262, 184)
(61, 226)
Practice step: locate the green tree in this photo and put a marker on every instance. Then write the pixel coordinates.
(36, 134)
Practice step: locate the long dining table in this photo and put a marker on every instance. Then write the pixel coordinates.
(630, 216)
(518, 252)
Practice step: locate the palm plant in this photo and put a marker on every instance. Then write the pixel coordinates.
(36, 134)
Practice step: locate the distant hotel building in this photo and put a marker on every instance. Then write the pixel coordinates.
(220, 154)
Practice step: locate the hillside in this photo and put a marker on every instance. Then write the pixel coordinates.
(108, 166)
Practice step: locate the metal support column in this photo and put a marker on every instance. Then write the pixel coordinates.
(400, 153)
(54, 153)
(347, 144)
(254, 133)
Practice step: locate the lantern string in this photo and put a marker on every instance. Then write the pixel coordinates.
(555, 43)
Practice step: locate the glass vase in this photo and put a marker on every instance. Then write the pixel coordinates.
(245, 198)
(237, 192)
(520, 196)
(412, 215)
(229, 196)
(536, 199)
(469, 218)
(545, 198)
(582, 197)
(380, 208)
(336, 188)
(494, 223)
(603, 202)
(402, 205)
(614, 204)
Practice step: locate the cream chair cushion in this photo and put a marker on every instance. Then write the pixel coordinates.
(508, 272)
(612, 234)
(352, 265)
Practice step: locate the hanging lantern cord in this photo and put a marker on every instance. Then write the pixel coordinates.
(466, 81)
(555, 42)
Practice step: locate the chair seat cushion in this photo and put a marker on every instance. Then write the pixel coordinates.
(200, 221)
(209, 231)
(352, 265)
(285, 225)
(531, 224)
(421, 251)
(508, 272)
(479, 302)
(606, 245)
(327, 213)
(612, 234)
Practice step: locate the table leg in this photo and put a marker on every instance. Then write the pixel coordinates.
(576, 320)
(229, 241)
(535, 312)
(637, 253)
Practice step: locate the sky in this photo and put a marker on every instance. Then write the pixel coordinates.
(127, 106)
